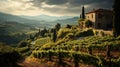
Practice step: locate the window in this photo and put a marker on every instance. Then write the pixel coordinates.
(92, 15)
(100, 16)
(99, 25)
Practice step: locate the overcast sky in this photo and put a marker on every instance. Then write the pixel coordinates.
(51, 7)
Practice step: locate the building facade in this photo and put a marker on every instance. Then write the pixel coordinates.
(101, 18)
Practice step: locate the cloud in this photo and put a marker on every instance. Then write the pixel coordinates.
(51, 7)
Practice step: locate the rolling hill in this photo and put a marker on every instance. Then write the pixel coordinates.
(46, 17)
(41, 21)
(14, 18)
(14, 27)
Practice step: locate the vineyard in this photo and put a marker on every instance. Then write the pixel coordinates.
(94, 50)
(40, 42)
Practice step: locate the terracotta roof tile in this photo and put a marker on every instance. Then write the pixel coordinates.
(99, 10)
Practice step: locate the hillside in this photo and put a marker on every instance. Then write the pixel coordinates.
(14, 18)
(14, 27)
(40, 21)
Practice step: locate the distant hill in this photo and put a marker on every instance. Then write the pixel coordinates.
(13, 32)
(14, 18)
(71, 21)
(46, 17)
(41, 21)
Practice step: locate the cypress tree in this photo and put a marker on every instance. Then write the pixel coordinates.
(54, 35)
(83, 12)
(116, 18)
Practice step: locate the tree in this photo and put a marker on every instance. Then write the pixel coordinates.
(23, 44)
(68, 26)
(57, 26)
(116, 18)
(54, 35)
(83, 12)
(31, 37)
(43, 32)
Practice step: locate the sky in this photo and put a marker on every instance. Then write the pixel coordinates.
(52, 7)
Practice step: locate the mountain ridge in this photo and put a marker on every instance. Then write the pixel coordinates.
(41, 23)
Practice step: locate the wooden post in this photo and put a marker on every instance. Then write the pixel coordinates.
(50, 56)
(108, 51)
(60, 59)
(90, 50)
(76, 62)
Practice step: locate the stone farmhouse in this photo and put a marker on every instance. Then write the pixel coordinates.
(101, 18)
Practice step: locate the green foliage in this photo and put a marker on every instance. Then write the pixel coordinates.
(114, 62)
(43, 32)
(23, 44)
(69, 36)
(57, 26)
(11, 27)
(96, 32)
(63, 32)
(61, 41)
(8, 56)
(81, 57)
(73, 49)
(81, 20)
(68, 26)
(42, 41)
(95, 42)
(88, 23)
(5, 49)
(54, 36)
(24, 51)
(47, 46)
(13, 39)
(88, 32)
(102, 33)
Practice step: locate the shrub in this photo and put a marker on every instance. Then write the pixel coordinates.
(80, 20)
(102, 33)
(63, 32)
(69, 36)
(23, 44)
(68, 26)
(88, 23)
(60, 41)
(89, 32)
(77, 34)
(47, 46)
(96, 32)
